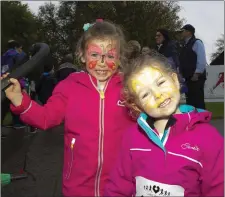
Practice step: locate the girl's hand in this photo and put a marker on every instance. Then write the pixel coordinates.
(13, 92)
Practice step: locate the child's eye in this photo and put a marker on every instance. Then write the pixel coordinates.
(161, 82)
(94, 54)
(110, 56)
(145, 95)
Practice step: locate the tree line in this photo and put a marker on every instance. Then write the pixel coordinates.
(61, 26)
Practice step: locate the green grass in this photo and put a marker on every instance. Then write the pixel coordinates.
(8, 119)
(217, 109)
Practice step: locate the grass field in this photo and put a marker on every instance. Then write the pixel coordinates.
(217, 109)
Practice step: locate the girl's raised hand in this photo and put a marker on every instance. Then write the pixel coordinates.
(13, 92)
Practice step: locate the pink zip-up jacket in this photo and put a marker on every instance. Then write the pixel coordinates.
(187, 161)
(93, 129)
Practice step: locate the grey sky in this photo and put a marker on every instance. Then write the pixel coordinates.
(206, 16)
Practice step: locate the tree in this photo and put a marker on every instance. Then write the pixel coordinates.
(50, 30)
(62, 26)
(18, 23)
(219, 47)
(141, 19)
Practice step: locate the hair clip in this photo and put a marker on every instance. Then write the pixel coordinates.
(87, 26)
(99, 20)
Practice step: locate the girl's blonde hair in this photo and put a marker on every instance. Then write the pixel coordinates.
(154, 60)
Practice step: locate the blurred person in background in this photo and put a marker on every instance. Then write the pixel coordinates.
(47, 82)
(145, 50)
(167, 47)
(193, 66)
(66, 68)
(133, 49)
(13, 57)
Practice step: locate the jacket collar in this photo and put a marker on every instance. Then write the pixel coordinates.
(186, 121)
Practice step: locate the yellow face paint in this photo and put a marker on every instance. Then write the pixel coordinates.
(147, 81)
(143, 78)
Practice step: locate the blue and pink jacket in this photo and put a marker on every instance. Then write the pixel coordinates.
(94, 127)
(187, 161)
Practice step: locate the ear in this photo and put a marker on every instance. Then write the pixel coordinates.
(82, 59)
(81, 56)
(175, 79)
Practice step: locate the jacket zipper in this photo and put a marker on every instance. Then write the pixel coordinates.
(71, 163)
(101, 138)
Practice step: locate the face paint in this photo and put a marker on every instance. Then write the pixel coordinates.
(112, 59)
(92, 64)
(113, 53)
(152, 87)
(113, 65)
(152, 103)
(92, 48)
(96, 54)
(143, 78)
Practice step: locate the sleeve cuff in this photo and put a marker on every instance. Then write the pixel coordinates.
(199, 71)
(24, 107)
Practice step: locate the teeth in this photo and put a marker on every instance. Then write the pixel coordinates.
(101, 71)
(164, 103)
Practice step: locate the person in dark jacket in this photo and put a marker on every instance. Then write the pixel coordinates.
(46, 84)
(167, 47)
(13, 57)
(66, 68)
(10, 60)
(193, 66)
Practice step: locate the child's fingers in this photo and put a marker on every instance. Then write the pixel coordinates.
(14, 81)
(4, 76)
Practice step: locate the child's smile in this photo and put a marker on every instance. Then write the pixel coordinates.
(157, 92)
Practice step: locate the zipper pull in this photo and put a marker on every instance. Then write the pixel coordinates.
(72, 143)
(102, 94)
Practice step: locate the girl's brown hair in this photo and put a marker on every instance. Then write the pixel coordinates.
(102, 30)
(133, 49)
(154, 60)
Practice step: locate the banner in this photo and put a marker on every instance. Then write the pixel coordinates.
(214, 85)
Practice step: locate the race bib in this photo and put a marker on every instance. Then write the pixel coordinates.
(145, 187)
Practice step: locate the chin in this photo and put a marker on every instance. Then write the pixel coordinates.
(102, 79)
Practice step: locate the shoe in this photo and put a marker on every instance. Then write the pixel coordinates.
(18, 126)
(33, 130)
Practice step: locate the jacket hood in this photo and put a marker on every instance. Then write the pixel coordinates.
(190, 117)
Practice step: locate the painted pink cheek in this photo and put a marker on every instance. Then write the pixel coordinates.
(111, 65)
(92, 64)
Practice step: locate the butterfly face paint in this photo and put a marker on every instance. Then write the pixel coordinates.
(102, 58)
(100, 54)
(156, 92)
(92, 64)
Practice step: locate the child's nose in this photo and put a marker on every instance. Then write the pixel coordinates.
(103, 59)
(157, 94)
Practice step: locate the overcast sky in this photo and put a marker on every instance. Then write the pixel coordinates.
(206, 16)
